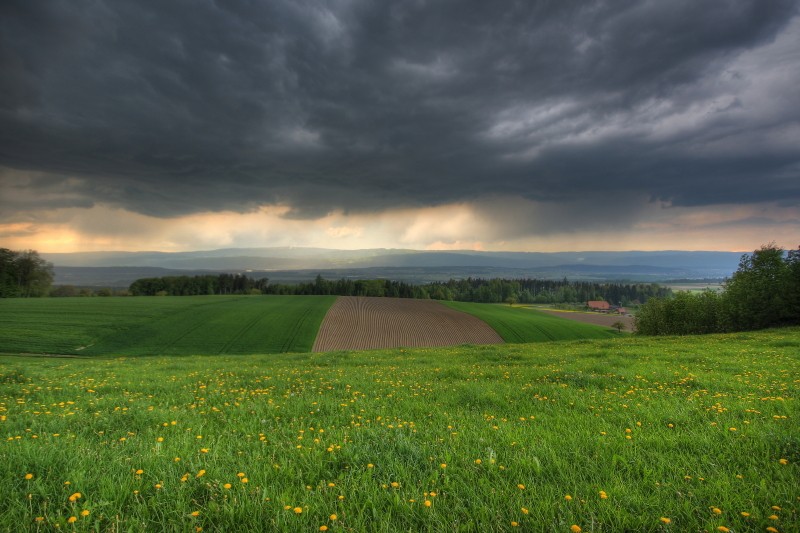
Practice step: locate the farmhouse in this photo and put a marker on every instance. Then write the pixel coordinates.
(598, 305)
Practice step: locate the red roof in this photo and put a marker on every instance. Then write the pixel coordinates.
(597, 304)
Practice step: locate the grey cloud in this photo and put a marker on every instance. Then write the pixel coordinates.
(179, 107)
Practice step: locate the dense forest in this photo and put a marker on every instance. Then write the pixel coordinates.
(764, 292)
(197, 285)
(465, 290)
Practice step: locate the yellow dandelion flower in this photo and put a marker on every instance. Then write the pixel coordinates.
(333, 517)
(85, 512)
(72, 519)
(773, 517)
(158, 486)
(203, 450)
(160, 439)
(395, 484)
(443, 465)
(323, 528)
(744, 514)
(245, 480)
(287, 507)
(723, 529)
(195, 513)
(340, 497)
(428, 503)
(568, 498)
(524, 511)
(665, 520)
(603, 495)
(772, 530)
(201, 473)
(226, 486)
(75, 497)
(139, 472)
(716, 510)
(521, 486)
(39, 519)
(241, 474)
(298, 510)
(370, 465)
(478, 461)
(783, 461)
(514, 524)
(28, 476)
(331, 484)
(575, 528)
(776, 508)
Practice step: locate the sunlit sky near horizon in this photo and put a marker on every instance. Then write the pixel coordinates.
(529, 126)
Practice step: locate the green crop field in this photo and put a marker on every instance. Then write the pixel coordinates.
(522, 325)
(161, 326)
(620, 434)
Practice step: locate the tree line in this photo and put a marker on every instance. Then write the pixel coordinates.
(544, 291)
(24, 274)
(465, 290)
(764, 292)
(198, 285)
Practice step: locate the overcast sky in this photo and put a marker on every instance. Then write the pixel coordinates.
(179, 125)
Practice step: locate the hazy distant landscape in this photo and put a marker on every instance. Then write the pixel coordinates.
(288, 265)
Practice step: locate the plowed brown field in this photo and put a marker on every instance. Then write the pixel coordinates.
(361, 323)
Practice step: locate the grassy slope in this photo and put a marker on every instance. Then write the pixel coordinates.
(518, 325)
(492, 431)
(161, 326)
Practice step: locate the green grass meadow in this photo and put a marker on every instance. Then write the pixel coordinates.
(523, 324)
(185, 325)
(618, 434)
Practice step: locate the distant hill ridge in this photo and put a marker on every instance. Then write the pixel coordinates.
(300, 258)
(287, 264)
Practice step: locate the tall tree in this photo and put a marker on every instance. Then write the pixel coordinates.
(24, 274)
(755, 296)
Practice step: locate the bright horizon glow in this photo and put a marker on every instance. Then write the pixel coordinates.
(499, 225)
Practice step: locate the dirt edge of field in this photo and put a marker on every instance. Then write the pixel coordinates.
(598, 319)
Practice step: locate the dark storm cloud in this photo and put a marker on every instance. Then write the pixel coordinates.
(168, 108)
